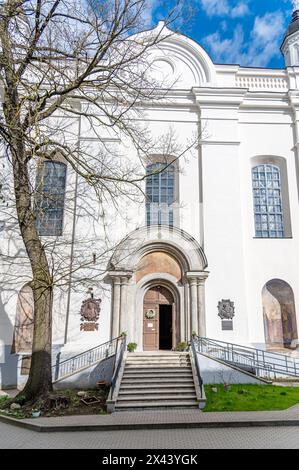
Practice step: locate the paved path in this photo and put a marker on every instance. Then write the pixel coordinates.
(12, 437)
(163, 419)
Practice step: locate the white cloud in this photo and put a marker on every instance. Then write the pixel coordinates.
(269, 26)
(149, 11)
(240, 10)
(224, 8)
(261, 47)
(215, 7)
(227, 50)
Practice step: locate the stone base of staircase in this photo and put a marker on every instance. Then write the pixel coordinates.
(157, 381)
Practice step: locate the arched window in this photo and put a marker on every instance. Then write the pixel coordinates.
(50, 193)
(268, 205)
(160, 194)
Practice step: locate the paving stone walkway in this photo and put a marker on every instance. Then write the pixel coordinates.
(245, 438)
(160, 420)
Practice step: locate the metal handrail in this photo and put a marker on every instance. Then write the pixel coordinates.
(263, 363)
(83, 360)
(118, 362)
(216, 341)
(194, 352)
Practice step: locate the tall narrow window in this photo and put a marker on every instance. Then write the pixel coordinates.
(160, 194)
(268, 209)
(50, 192)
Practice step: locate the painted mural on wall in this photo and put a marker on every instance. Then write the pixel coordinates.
(279, 315)
(90, 313)
(24, 322)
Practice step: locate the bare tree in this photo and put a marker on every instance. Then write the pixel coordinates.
(69, 67)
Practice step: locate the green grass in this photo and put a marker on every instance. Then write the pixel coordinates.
(251, 398)
(7, 412)
(3, 400)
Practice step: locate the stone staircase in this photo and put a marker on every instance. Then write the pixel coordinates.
(160, 380)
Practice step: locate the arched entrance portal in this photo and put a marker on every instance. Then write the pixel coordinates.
(279, 315)
(158, 319)
(150, 257)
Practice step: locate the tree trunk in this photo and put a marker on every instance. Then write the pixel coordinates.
(40, 375)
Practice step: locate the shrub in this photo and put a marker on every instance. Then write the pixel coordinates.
(182, 346)
(131, 347)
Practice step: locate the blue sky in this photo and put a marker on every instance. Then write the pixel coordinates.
(245, 32)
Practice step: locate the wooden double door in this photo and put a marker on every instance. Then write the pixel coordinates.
(158, 319)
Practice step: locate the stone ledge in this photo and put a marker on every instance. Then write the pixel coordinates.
(28, 424)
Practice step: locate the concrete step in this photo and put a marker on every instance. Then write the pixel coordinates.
(150, 398)
(158, 358)
(144, 375)
(158, 365)
(158, 391)
(157, 381)
(164, 353)
(154, 382)
(155, 405)
(162, 386)
(152, 357)
(157, 370)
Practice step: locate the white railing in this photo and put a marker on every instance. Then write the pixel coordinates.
(265, 83)
(261, 363)
(83, 360)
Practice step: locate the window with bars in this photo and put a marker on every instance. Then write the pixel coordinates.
(268, 210)
(50, 193)
(160, 195)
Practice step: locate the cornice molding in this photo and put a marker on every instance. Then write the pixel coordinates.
(219, 142)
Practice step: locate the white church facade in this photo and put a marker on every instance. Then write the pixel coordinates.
(213, 248)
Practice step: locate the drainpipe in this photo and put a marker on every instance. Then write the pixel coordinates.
(72, 241)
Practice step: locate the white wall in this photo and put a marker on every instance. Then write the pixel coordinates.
(255, 115)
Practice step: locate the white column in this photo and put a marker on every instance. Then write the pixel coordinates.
(180, 315)
(116, 307)
(194, 317)
(124, 320)
(201, 306)
(187, 335)
(197, 322)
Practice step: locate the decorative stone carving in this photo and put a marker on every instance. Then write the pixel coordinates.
(226, 309)
(90, 312)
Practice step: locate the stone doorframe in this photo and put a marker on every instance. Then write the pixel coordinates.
(163, 280)
(127, 294)
(151, 326)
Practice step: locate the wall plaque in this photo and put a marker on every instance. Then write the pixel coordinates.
(89, 327)
(226, 309)
(90, 312)
(227, 325)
